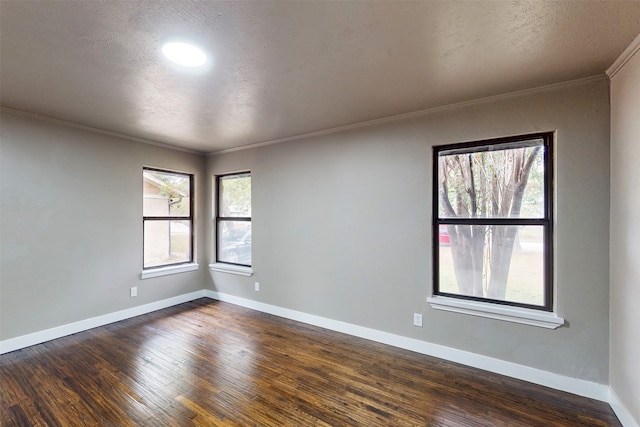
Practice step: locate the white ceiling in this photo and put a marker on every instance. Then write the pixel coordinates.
(285, 68)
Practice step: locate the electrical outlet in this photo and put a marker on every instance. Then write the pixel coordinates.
(134, 292)
(257, 286)
(417, 319)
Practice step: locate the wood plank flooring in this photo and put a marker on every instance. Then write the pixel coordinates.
(208, 363)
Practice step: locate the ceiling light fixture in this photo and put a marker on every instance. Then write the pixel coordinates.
(184, 54)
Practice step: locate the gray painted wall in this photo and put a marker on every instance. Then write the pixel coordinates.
(625, 235)
(342, 227)
(71, 224)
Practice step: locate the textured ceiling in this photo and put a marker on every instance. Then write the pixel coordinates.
(281, 69)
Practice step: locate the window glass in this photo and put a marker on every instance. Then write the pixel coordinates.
(235, 195)
(166, 242)
(522, 276)
(498, 183)
(167, 218)
(492, 221)
(234, 242)
(166, 194)
(233, 219)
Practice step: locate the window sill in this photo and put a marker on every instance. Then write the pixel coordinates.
(524, 316)
(231, 269)
(165, 271)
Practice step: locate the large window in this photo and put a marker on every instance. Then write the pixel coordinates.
(167, 218)
(233, 219)
(492, 221)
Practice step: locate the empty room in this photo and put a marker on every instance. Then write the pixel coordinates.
(444, 196)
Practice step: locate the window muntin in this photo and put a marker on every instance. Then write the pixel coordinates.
(167, 218)
(492, 225)
(233, 219)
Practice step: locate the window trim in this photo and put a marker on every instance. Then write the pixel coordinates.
(238, 270)
(525, 316)
(443, 299)
(169, 268)
(218, 264)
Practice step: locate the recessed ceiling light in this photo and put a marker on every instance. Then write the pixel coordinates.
(184, 54)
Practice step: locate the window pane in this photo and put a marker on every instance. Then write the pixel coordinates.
(166, 242)
(497, 262)
(166, 194)
(234, 242)
(489, 182)
(235, 196)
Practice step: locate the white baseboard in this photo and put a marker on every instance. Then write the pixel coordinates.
(23, 341)
(537, 376)
(623, 414)
(559, 382)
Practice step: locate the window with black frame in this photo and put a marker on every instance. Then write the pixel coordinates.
(167, 218)
(233, 219)
(492, 221)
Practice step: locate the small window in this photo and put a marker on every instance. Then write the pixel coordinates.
(233, 219)
(167, 218)
(492, 227)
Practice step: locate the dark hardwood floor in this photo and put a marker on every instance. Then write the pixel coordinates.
(210, 363)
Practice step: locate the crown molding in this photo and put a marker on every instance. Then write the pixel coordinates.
(419, 113)
(72, 125)
(367, 123)
(628, 53)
